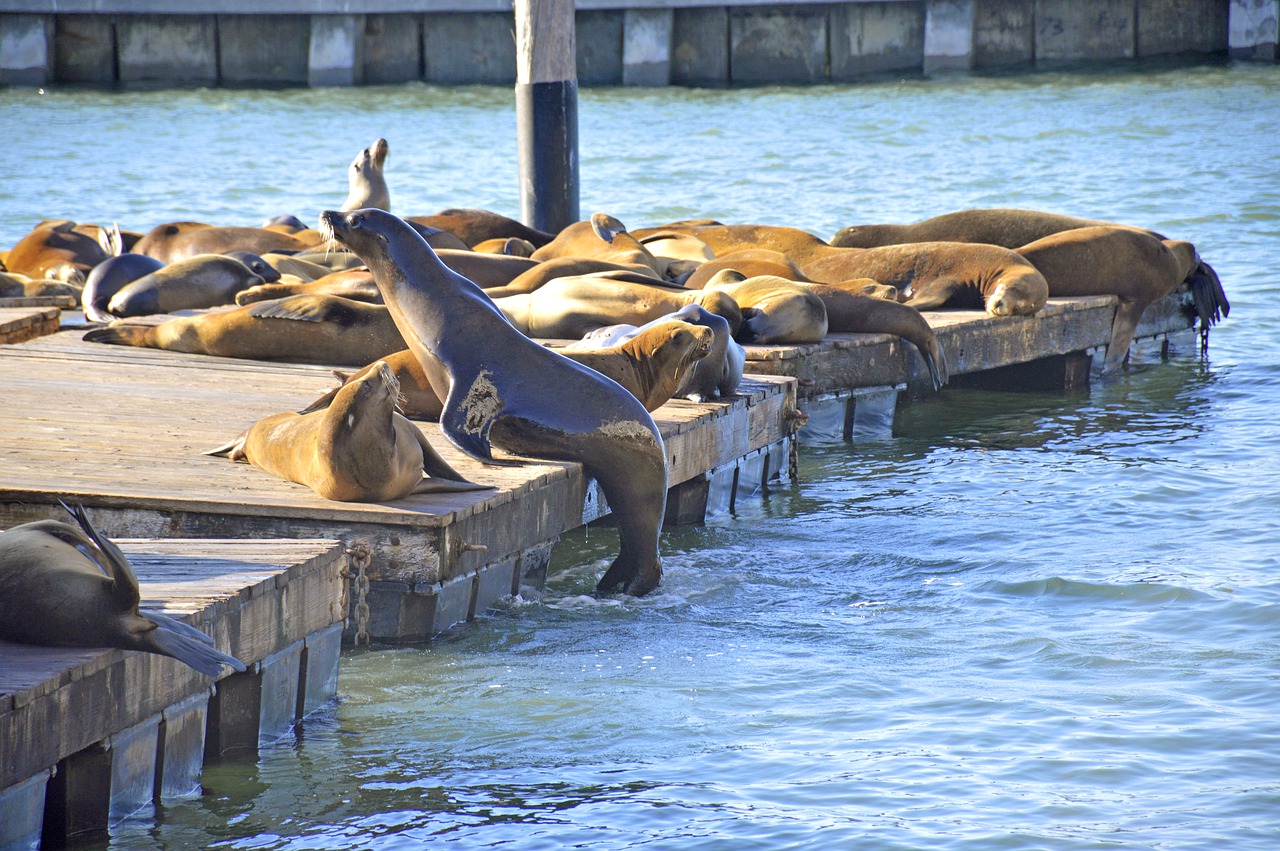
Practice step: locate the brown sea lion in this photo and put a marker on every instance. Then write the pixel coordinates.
(602, 237)
(567, 267)
(651, 366)
(56, 250)
(501, 388)
(367, 187)
(485, 270)
(849, 310)
(752, 262)
(1009, 228)
(22, 286)
(509, 246)
(205, 280)
(1128, 263)
(774, 310)
(176, 241)
(299, 329)
(69, 587)
(359, 449)
(355, 284)
(568, 308)
(476, 226)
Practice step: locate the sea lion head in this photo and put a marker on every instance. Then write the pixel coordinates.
(1018, 293)
(260, 267)
(369, 232)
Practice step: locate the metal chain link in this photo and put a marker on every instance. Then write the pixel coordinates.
(361, 556)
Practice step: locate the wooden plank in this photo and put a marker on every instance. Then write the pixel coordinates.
(21, 322)
(254, 597)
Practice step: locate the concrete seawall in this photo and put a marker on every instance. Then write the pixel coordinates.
(655, 43)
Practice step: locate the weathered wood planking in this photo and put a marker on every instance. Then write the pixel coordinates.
(20, 320)
(123, 429)
(254, 597)
(973, 341)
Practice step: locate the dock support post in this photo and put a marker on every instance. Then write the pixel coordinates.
(26, 49)
(547, 113)
(234, 716)
(22, 811)
(77, 804)
(1253, 30)
(334, 56)
(646, 47)
(948, 35)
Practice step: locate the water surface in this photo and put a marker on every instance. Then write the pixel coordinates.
(1023, 621)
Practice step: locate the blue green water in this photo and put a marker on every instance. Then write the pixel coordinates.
(1022, 621)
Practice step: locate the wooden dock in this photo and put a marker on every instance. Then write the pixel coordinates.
(121, 430)
(90, 736)
(852, 379)
(27, 318)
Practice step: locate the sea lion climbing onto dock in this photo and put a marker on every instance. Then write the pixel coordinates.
(358, 449)
(501, 388)
(72, 587)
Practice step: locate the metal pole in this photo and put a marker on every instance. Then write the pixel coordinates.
(547, 113)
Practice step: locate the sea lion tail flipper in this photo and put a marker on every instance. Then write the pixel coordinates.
(318, 405)
(434, 484)
(204, 658)
(437, 468)
(124, 582)
(1207, 295)
(232, 449)
(606, 226)
(163, 620)
(121, 335)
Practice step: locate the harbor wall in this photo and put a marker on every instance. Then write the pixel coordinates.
(653, 43)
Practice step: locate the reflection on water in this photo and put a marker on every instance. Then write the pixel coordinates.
(1022, 621)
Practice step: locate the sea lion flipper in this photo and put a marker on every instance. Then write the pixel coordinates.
(301, 308)
(606, 226)
(434, 484)
(199, 655)
(438, 469)
(124, 582)
(232, 449)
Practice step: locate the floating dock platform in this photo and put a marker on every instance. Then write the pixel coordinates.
(121, 430)
(89, 737)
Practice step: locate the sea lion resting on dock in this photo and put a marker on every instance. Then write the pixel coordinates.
(1008, 228)
(176, 241)
(774, 309)
(60, 250)
(299, 329)
(501, 388)
(476, 226)
(68, 587)
(1130, 264)
(602, 237)
(358, 449)
(205, 280)
(568, 308)
(651, 367)
(928, 275)
(716, 375)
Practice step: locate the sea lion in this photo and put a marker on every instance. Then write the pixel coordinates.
(359, 449)
(69, 587)
(486, 270)
(501, 388)
(1130, 264)
(651, 366)
(260, 266)
(366, 185)
(299, 329)
(850, 310)
(568, 308)
(714, 376)
(179, 240)
(23, 286)
(291, 264)
(355, 284)
(927, 275)
(438, 238)
(509, 246)
(567, 267)
(774, 310)
(205, 280)
(476, 226)
(1008, 228)
(286, 223)
(750, 262)
(56, 250)
(109, 277)
(602, 237)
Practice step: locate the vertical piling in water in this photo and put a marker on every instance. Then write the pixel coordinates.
(547, 113)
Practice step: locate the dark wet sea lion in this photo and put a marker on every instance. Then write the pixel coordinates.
(298, 329)
(69, 587)
(501, 388)
(476, 226)
(1130, 264)
(358, 449)
(205, 280)
(108, 277)
(1009, 228)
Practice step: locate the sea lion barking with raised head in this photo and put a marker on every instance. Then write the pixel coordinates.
(503, 388)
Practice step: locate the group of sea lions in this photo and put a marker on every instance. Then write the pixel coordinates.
(441, 313)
